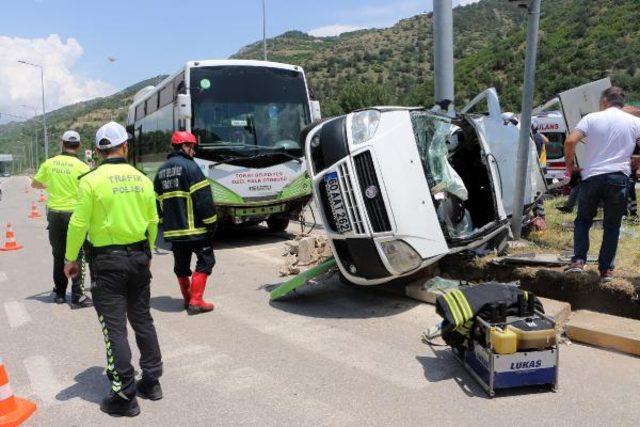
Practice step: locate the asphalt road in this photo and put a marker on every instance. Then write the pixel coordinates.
(331, 355)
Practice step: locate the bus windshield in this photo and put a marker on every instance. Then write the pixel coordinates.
(244, 111)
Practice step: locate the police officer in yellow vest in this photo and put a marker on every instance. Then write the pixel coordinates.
(59, 175)
(117, 206)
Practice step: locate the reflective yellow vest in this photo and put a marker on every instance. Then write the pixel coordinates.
(117, 206)
(60, 175)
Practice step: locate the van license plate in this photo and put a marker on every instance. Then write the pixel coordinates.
(336, 202)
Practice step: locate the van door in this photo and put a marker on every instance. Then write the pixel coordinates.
(580, 101)
(500, 138)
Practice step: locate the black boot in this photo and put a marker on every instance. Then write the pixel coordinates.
(150, 390)
(117, 406)
(83, 302)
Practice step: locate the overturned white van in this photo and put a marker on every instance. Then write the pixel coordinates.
(399, 188)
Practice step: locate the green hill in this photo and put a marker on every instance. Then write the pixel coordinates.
(580, 41)
(85, 117)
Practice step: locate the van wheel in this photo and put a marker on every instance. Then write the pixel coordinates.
(277, 223)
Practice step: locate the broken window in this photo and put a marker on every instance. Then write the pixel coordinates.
(435, 137)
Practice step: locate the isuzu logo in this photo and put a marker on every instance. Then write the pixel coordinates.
(371, 192)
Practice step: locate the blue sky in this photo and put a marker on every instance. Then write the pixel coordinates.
(74, 38)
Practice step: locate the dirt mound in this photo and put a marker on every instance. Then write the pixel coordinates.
(582, 290)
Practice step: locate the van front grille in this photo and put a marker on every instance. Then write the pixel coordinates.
(371, 193)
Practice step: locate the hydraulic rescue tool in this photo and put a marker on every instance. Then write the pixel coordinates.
(500, 334)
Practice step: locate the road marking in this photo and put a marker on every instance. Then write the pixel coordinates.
(380, 360)
(16, 313)
(43, 381)
(3, 276)
(270, 258)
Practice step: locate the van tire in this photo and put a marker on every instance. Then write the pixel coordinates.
(277, 224)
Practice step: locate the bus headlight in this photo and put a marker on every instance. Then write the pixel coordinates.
(401, 256)
(364, 125)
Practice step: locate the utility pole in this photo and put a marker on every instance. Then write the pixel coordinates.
(264, 29)
(34, 149)
(533, 25)
(44, 111)
(443, 53)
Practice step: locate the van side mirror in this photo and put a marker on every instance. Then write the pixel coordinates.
(316, 114)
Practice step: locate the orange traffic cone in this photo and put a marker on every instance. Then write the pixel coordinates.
(13, 410)
(42, 199)
(10, 243)
(34, 214)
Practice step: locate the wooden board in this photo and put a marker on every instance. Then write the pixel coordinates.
(604, 330)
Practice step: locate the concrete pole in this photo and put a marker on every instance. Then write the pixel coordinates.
(443, 50)
(522, 167)
(264, 29)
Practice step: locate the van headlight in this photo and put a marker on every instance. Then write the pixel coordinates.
(401, 256)
(364, 125)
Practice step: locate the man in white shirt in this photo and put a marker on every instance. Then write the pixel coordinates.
(610, 136)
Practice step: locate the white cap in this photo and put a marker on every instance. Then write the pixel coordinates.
(111, 135)
(71, 136)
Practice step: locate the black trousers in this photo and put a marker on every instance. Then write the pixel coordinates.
(182, 252)
(121, 291)
(58, 225)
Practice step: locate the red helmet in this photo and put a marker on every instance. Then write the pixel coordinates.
(182, 137)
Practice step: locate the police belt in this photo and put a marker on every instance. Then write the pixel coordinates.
(141, 246)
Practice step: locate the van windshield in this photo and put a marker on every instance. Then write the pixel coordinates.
(435, 137)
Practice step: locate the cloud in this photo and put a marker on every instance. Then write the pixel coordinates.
(21, 83)
(333, 30)
(464, 2)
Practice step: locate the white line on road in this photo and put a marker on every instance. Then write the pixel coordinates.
(272, 259)
(43, 381)
(3, 276)
(16, 313)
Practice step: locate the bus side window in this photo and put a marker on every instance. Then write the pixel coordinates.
(180, 88)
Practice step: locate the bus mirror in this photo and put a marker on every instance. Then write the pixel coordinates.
(316, 114)
(183, 107)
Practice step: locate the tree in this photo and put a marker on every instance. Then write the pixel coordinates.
(359, 95)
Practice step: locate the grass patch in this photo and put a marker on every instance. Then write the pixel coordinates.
(558, 237)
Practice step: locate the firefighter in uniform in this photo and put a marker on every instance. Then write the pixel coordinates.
(59, 175)
(189, 219)
(117, 207)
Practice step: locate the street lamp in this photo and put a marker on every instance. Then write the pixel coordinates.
(35, 132)
(44, 111)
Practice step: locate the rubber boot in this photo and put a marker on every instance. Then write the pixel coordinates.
(185, 288)
(197, 304)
